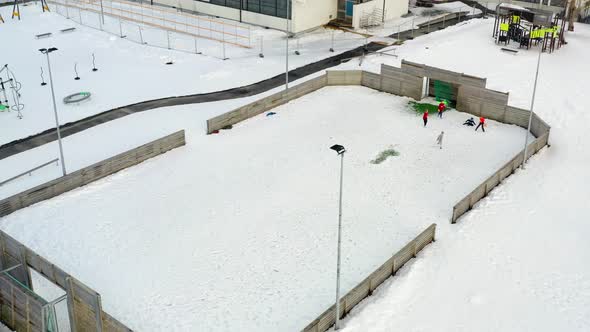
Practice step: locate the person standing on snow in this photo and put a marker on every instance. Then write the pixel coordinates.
(439, 139)
(425, 118)
(441, 109)
(481, 124)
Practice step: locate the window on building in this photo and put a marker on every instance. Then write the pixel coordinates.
(277, 8)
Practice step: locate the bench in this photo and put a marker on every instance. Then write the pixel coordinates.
(67, 30)
(43, 35)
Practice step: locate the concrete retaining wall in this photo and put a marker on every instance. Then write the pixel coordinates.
(538, 128)
(367, 286)
(448, 76)
(394, 80)
(84, 304)
(91, 173)
(20, 309)
(260, 106)
(482, 102)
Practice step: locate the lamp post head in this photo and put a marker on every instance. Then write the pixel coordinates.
(338, 148)
(45, 50)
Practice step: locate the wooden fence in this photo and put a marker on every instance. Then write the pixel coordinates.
(367, 286)
(91, 173)
(540, 129)
(21, 308)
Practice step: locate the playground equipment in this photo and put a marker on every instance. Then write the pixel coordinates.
(76, 97)
(529, 27)
(94, 63)
(15, 87)
(42, 78)
(16, 9)
(44, 6)
(77, 78)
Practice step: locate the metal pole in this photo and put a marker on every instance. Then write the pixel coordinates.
(526, 137)
(383, 18)
(223, 42)
(444, 18)
(332, 48)
(140, 34)
(120, 28)
(428, 28)
(337, 324)
(102, 11)
(287, 52)
(413, 19)
(399, 27)
(61, 151)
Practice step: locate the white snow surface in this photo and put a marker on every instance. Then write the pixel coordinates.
(237, 231)
(518, 260)
(129, 72)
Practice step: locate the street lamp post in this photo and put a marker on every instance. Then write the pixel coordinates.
(61, 151)
(526, 136)
(101, 12)
(340, 150)
(287, 50)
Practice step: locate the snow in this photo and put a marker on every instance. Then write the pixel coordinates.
(237, 230)
(420, 15)
(129, 72)
(518, 260)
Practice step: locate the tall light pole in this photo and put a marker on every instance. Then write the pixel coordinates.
(102, 12)
(61, 150)
(526, 136)
(340, 150)
(287, 50)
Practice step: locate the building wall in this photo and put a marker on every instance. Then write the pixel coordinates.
(307, 14)
(393, 9)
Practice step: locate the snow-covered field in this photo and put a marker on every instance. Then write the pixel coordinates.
(237, 230)
(483, 274)
(129, 72)
(519, 260)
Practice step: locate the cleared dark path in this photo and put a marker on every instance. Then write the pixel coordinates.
(50, 135)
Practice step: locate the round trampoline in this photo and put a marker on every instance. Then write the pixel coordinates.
(76, 97)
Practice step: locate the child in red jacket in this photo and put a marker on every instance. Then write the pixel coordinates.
(441, 109)
(425, 118)
(481, 124)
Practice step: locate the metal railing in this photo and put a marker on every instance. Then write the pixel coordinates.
(29, 171)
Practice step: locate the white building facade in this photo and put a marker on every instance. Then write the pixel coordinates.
(303, 14)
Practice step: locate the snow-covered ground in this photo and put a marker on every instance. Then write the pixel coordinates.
(481, 274)
(518, 260)
(129, 72)
(420, 15)
(237, 230)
